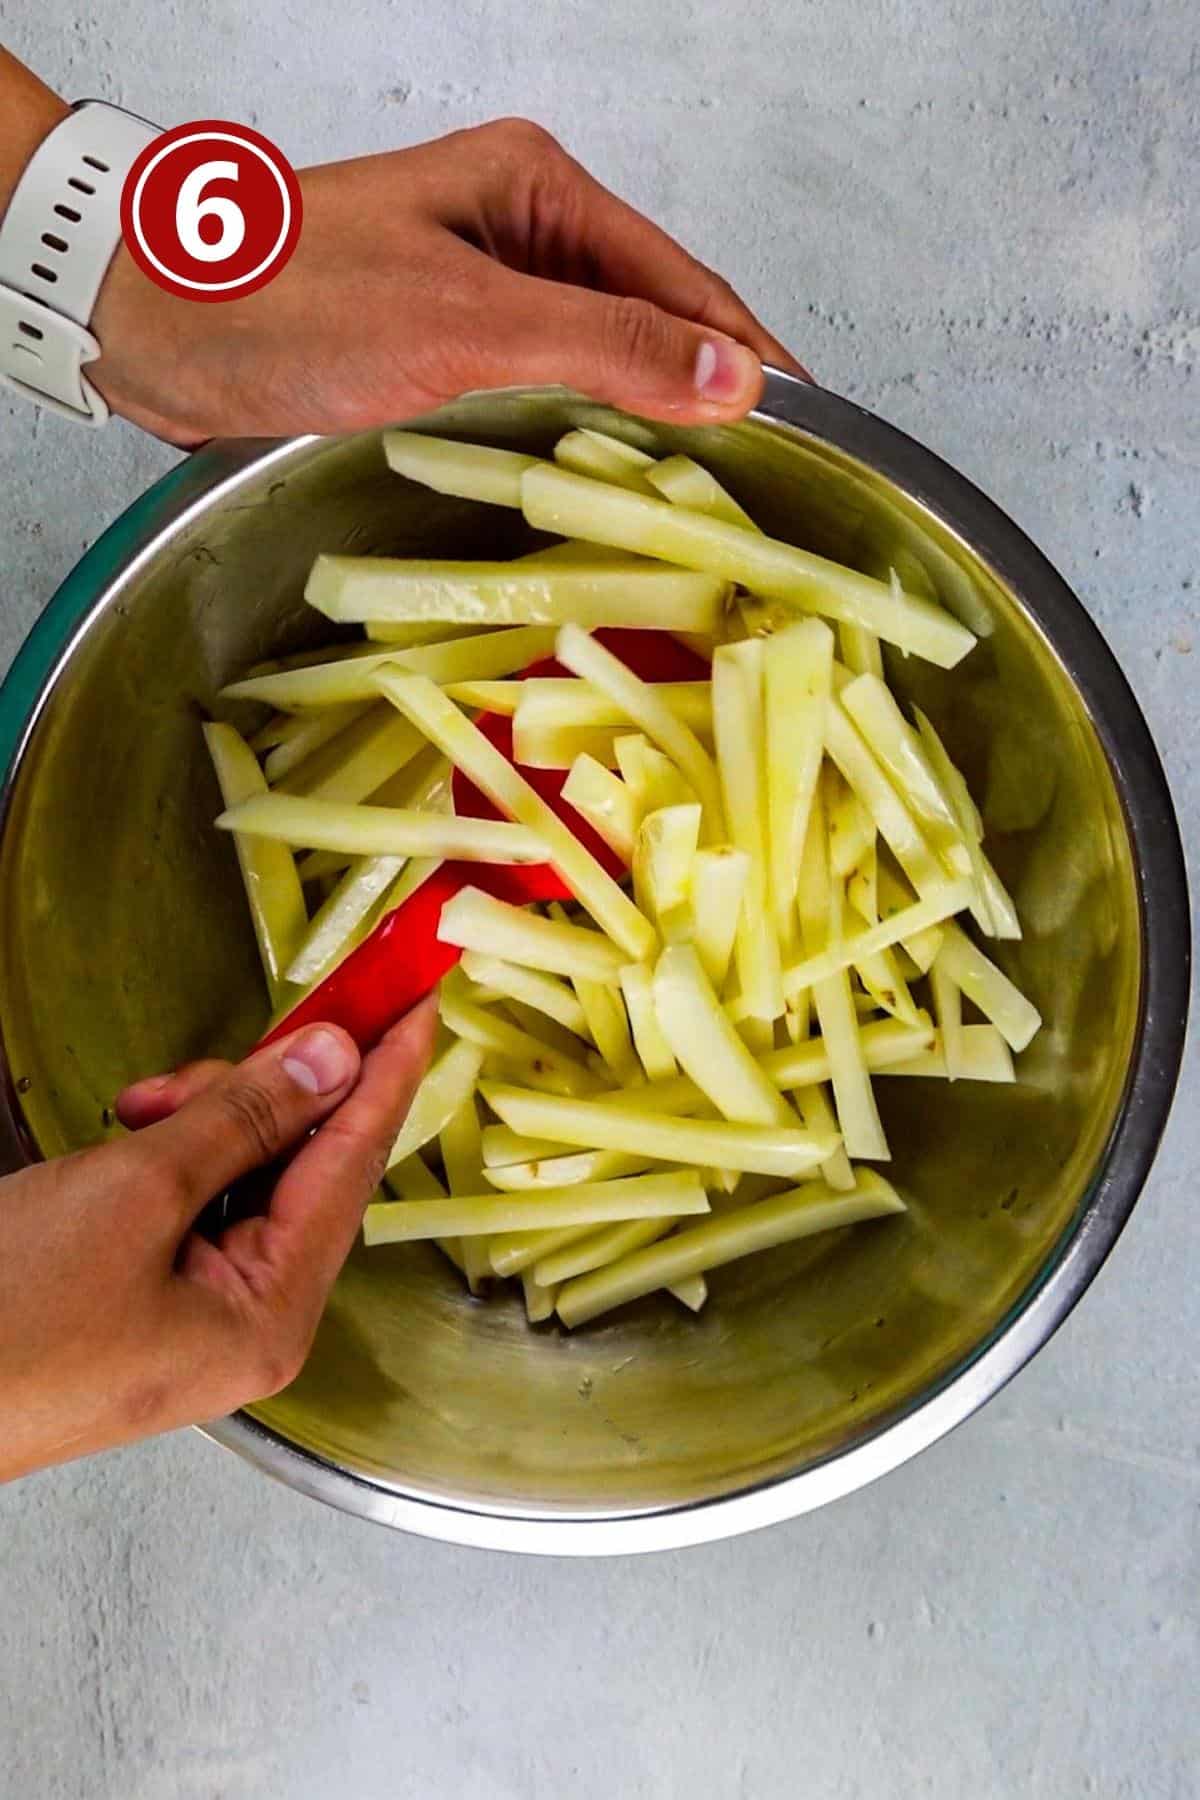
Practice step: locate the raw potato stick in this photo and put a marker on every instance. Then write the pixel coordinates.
(858, 1115)
(652, 1047)
(643, 706)
(359, 761)
(556, 1170)
(983, 1056)
(546, 993)
(996, 915)
(485, 656)
(462, 1158)
(947, 1010)
(466, 471)
(706, 1045)
(542, 1066)
(565, 700)
(989, 988)
(604, 1246)
(685, 483)
(603, 458)
(477, 921)
(741, 759)
(273, 891)
(449, 1081)
(591, 1203)
(468, 749)
(855, 947)
(513, 1252)
(797, 681)
(349, 589)
(554, 500)
(606, 802)
(718, 886)
(308, 733)
(716, 1144)
(382, 830)
(801, 1212)
(894, 822)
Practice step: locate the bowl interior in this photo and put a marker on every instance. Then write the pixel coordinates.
(124, 948)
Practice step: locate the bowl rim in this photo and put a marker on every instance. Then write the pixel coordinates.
(219, 469)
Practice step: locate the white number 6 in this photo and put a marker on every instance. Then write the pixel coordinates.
(190, 209)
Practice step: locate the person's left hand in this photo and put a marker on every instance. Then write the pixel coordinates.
(119, 1320)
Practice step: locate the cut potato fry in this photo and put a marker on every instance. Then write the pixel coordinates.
(544, 1068)
(691, 1291)
(476, 921)
(485, 656)
(459, 1141)
(360, 761)
(851, 830)
(718, 886)
(801, 1212)
(554, 500)
(797, 680)
(413, 1179)
(539, 1301)
(382, 830)
(652, 777)
(561, 746)
(311, 732)
(855, 947)
(893, 897)
(895, 824)
(818, 1115)
(467, 471)
(654, 1051)
(469, 750)
(983, 1055)
(559, 1170)
(335, 928)
(706, 1143)
(608, 1027)
(858, 1116)
(591, 1203)
(273, 892)
(604, 1246)
(513, 1252)
(947, 1010)
(565, 700)
(606, 802)
(901, 754)
(413, 636)
(604, 459)
(645, 708)
(861, 650)
(989, 988)
(450, 1080)
(348, 589)
(738, 726)
(706, 1045)
(995, 914)
(546, 993)
(685, 483)
(663, 858)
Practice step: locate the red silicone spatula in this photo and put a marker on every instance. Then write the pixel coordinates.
(403, 959)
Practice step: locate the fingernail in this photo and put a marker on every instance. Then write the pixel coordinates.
(725, 370)
(321, 1061)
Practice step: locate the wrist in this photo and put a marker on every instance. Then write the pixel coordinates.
(30, 112)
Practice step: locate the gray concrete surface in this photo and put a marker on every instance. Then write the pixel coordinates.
(984, 222)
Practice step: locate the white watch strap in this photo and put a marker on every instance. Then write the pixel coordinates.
(57, 239)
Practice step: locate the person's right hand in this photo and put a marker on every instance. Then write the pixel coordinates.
(116, 1319)
(489, 258)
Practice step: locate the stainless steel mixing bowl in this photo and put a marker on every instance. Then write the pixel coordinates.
(124, 948)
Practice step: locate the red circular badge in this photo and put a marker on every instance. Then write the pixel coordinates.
(211, 210)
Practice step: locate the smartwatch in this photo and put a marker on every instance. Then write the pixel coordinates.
(61, 231)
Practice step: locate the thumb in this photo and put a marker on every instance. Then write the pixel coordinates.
(250, 1114)
(625, 352)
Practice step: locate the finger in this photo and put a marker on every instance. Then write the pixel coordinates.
(159, 1096)
(633, 256)
(544, 213)
(628, 353)
(252, 1113)
(296, 1252)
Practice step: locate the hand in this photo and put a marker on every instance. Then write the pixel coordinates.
(488, 258)
(117, 1319)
